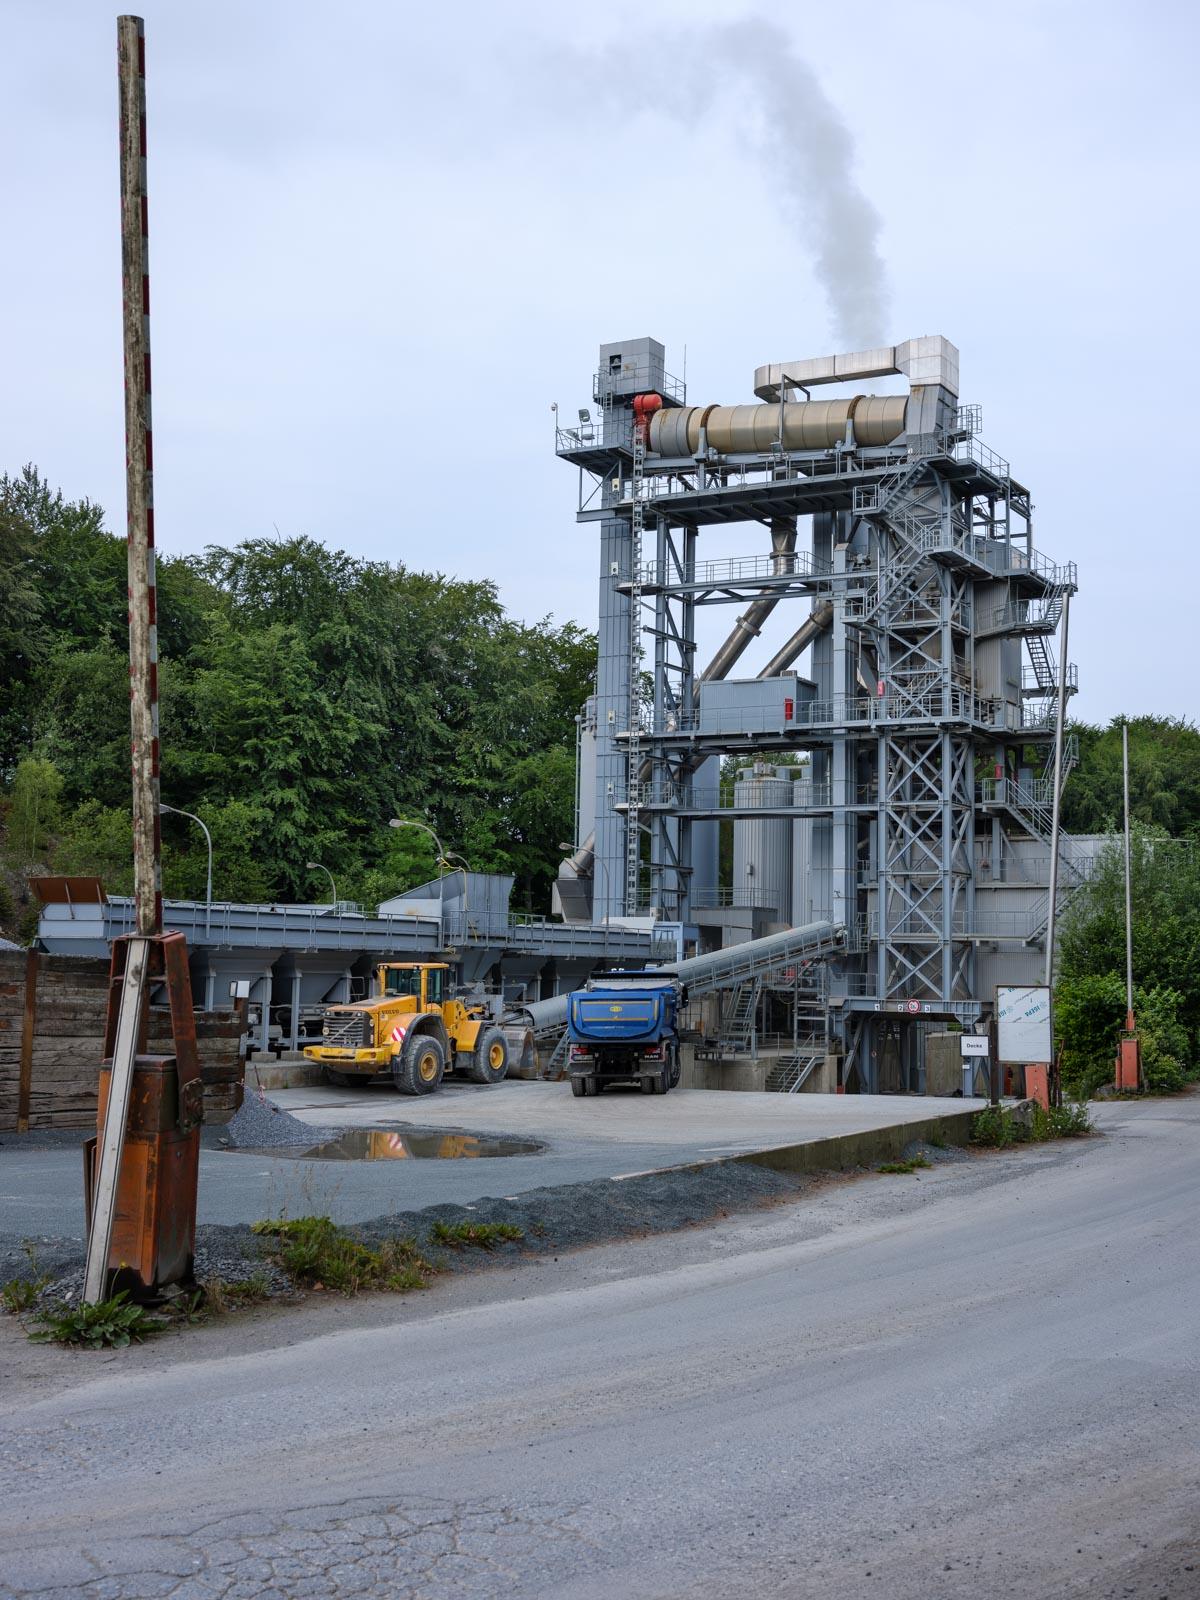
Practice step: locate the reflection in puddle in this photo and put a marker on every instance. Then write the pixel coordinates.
(381, 1144)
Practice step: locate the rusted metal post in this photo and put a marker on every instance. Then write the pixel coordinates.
(127, 1016)
(25, 1082)
(139, 479)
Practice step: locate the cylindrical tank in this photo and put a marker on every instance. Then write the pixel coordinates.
(762, 850)
(807, 425)
(706, 836)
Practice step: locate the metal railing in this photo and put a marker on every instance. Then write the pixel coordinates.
(726, 898)
(731, 569)
(798, 794)
(636, 380)
(1033, 683)
(942, 704)
(292, 927)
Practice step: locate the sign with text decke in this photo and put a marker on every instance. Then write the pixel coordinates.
(1023, 1025)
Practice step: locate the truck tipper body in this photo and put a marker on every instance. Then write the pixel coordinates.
(622, 1027)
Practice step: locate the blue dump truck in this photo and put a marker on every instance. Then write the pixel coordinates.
(622, 1028)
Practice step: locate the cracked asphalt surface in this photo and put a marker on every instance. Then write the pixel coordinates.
(979, 1380)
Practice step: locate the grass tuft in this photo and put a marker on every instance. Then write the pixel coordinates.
(913, 1164)
(20, 1294)
(479, 1235)
(223, 1295)
(318, 1255)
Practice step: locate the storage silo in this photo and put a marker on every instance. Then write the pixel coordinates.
(762, 848)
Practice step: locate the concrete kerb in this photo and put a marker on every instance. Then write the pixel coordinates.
(844, 1150)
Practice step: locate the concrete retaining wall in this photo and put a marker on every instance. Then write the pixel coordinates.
(864, 1149)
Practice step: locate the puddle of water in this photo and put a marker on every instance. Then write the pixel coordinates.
(381, 1144)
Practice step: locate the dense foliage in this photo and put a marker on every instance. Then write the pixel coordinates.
(306, 698)
(1090, 997)
(1164, 777)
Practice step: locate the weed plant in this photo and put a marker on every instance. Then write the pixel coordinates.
(222, 1295)
(478, 1235)
(316, 1254)
(913, 1164)
(21, 1294)
(997, 1128)
(97, 1325)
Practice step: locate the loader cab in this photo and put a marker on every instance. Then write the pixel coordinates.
(423, 982)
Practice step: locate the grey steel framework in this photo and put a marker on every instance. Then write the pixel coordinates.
(933, 678)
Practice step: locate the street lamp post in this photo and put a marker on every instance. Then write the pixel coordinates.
(404, 822)
(316, 866)
(464, 868)
(162, 806)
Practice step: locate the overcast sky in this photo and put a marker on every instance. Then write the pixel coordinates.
(384, 238)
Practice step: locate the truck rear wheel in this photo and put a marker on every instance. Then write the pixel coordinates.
(489, 1060)
(421, 1065)
(579, 1087)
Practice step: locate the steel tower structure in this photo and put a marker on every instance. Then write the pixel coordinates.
(920, 592)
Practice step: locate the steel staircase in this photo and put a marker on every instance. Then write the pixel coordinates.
(791, 1073)
(737, 1025)
(556, 1067)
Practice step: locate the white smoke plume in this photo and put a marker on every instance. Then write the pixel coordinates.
(803, 143)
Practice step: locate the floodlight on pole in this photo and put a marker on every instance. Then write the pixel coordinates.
(175, 811)
(406, 822)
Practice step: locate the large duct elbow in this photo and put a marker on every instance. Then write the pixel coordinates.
(818, 619)
(749, 625)
(869, 420)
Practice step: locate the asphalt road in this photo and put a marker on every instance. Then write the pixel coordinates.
(41, 1190)
(981, 1381)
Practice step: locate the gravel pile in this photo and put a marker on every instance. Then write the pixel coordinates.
(262, 1125)
(570, 1215)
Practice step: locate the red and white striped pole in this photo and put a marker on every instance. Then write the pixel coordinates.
(139, 479)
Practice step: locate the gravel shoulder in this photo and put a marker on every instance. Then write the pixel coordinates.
(575, 1235)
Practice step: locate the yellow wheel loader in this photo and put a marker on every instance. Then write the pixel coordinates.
(409, 1031)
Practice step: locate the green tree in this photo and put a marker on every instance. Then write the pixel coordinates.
(1164, 776)
(33, 809)
(1090, 994)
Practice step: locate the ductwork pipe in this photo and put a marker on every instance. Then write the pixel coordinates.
(749, 625)
(820, 618)
(807, 425)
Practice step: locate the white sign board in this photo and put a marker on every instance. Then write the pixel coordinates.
(1023, 1024)
(973, 1044)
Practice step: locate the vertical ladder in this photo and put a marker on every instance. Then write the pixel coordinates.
(633, 832)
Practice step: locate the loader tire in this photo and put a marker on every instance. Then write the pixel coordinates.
(344, 1080)
(421, 1065)
(489, 1059)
